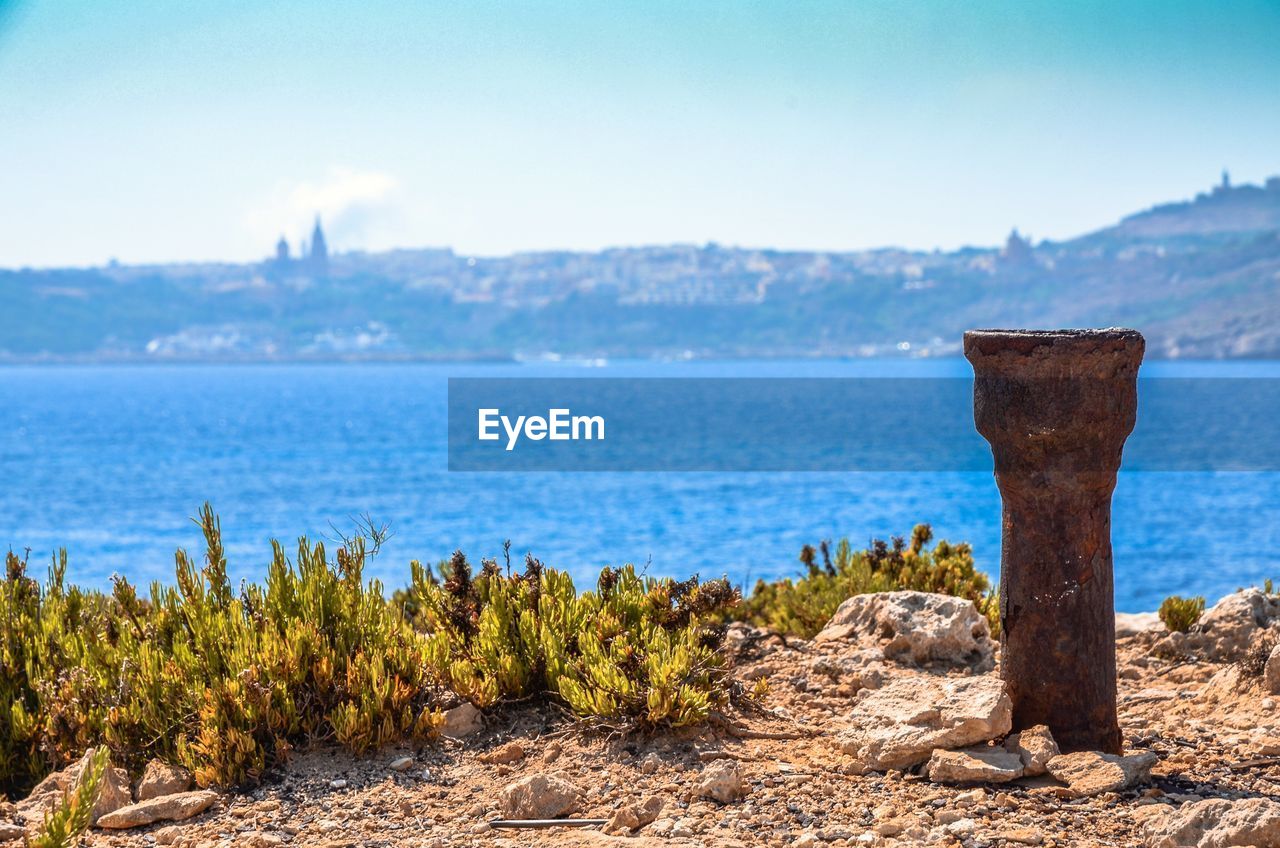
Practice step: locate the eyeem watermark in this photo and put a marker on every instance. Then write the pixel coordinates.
(559, 425)
(822, 424)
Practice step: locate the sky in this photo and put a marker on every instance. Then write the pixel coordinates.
(193, 130)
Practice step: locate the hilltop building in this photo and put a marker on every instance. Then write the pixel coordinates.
(318, 259)
(1224, 186)
(1017, 250)
(1226, 207)
(313, 255)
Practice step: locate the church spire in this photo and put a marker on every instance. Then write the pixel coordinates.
(318, 259)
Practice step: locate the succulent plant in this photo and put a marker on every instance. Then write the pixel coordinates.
(802, 607)
(227, 683)
(1180, 614)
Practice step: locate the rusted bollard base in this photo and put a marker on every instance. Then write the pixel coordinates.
(1056, 407)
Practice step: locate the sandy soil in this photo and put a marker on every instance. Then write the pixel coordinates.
(1216, 737)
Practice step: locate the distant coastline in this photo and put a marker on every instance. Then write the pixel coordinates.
(1199, 278)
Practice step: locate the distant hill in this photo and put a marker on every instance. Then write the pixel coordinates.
(1200, 278)
(1225, 209)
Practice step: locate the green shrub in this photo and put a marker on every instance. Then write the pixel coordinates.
(989, 606)
(801, 607)
(20, 754)
(227, 683)
(636, 647)
(62, 827)
(1179, 614)
(222, 682)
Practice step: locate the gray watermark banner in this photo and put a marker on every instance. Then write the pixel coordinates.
(822, 424)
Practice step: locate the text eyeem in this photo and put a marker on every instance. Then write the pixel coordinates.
(560, 425)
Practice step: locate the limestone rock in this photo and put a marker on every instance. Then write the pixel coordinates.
(176, 807)
(721, 781)
(981, 764)
(160, 778)
(1216, 823)
(859, 669)
(1228, 629)
(901, 724)
(1035, 747)
(1092, 773)
(1133, 623)
(114, 791)
(631, 817)
(915, 627)
(168, 835)
(1225, 685)
(9, 832)
(461, 721)
(540, 796)
(1271, 673)
(509, 753)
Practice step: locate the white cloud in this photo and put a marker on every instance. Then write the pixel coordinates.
(356, 207)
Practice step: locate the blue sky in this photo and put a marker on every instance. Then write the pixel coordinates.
(180, 130)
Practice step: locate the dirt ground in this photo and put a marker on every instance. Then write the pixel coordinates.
(1216, 736)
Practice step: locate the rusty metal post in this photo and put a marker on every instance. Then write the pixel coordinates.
(1056, 407)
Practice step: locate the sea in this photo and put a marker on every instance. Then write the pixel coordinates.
(112, 462)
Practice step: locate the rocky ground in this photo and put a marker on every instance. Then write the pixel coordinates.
(888, 729)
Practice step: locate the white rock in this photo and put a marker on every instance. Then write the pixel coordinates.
(901, 725)
(10, 832)
(177, 807)
(540, 796)
(1271, 673)
(168, 835)
(631, 817)
(1225, 685)
(1228, 629)
(1021, 836)
(1216, 823)
(982, 764)
(1035, 747)
(461, 721)
(862, 668)
(1133, 623)
(161, 778)
(1092, 773)
(114, 791)
(914, 627)
(721, 781)
(401, 764)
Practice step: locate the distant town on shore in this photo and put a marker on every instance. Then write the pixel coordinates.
(1200, 278)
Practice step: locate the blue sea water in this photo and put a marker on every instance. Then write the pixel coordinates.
(111, 463)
